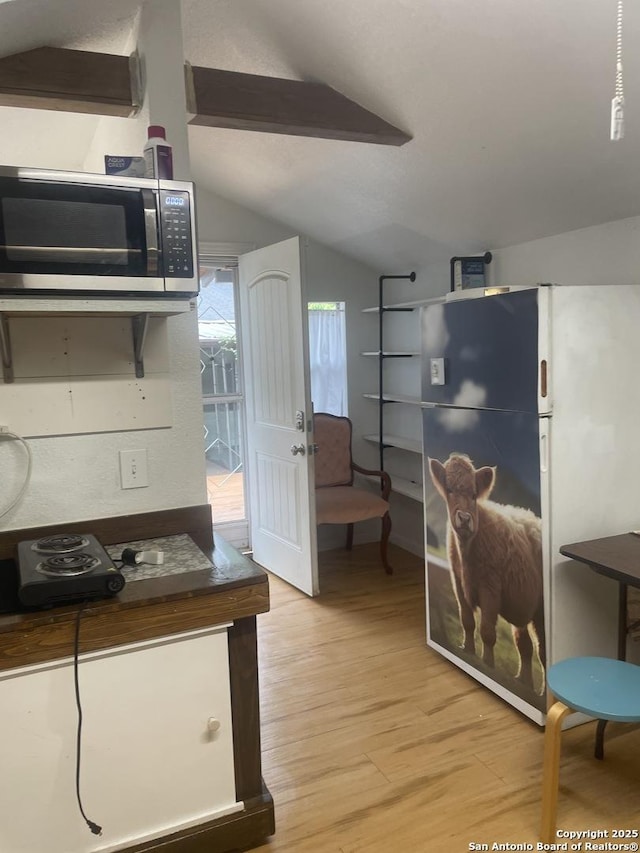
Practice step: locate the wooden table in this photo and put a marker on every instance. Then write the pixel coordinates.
(618, 558)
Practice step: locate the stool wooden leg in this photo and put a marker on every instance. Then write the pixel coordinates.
(551, 770)
(598, 751)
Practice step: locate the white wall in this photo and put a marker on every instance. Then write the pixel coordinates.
(332, 277)
(223, 221)
(77, 476)
(602, 254)
(158, 43)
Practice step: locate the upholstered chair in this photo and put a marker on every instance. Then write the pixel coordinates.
(338, 501)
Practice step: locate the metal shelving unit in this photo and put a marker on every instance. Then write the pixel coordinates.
(382, 439)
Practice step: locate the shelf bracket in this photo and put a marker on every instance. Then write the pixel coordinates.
(5, 345)
(139, 325)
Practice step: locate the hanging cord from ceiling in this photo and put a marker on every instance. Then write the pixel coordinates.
(617, 104)
(27, 477)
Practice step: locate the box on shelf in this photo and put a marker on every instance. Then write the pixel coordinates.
(131, 166)
(469, 272)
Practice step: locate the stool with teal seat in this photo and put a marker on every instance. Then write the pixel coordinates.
(602, 688)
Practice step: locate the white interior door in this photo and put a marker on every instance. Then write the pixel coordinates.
(279, 416)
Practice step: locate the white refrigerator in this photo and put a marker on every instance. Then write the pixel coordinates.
(531, 432)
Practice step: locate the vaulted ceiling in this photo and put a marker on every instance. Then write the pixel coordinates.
(507, 104)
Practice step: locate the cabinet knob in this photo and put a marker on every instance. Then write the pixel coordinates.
(212, 724)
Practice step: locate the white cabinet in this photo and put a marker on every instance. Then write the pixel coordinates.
(157, 746)
(400, 437)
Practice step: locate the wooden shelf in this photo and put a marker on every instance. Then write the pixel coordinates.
(234, 99)
(402, 443)
(391, 354)
(395, 398)
(408, 488)
(403, 306)
(16, 306)
(470, 293)
(76, 81)
(139, 310)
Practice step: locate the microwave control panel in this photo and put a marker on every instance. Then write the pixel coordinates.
(175, 219)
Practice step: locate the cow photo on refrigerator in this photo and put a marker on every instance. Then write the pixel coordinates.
(485, 597)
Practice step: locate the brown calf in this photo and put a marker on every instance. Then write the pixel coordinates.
(495, 554)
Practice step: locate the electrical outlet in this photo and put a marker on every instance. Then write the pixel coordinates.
(133, 469)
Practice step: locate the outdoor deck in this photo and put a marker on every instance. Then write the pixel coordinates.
(226, 496)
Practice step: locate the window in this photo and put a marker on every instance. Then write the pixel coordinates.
(328, 357)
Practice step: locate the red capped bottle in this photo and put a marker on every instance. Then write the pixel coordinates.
(158, 154)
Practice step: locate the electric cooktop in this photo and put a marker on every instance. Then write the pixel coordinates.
(64, 568)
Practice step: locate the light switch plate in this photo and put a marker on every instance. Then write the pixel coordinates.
(133, 469)
(436, 367)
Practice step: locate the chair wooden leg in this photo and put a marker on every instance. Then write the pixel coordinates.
(349, 537)
(384, 541)
(551, 770)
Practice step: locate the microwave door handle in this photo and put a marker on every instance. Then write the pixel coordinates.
(151, 230)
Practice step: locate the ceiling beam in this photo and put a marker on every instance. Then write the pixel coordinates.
(78, 81)
(274, 105)
(52, 78)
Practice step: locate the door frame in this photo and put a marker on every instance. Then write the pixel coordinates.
(237, 533)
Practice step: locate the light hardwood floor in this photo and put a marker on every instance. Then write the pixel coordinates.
(373, 743)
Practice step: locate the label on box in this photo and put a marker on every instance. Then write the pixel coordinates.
(131, 166)
(469, 272)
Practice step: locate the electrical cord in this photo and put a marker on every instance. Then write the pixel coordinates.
(94, 827)
(15, 437)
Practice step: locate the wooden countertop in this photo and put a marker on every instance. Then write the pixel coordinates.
(233, 588)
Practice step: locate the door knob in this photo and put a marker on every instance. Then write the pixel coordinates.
(298, 448)
(313, 448)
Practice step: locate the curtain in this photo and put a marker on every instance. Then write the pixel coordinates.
(328, 361)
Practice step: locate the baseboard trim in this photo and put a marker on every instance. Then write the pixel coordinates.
(337, 542)
(236, 831)
(408, 545)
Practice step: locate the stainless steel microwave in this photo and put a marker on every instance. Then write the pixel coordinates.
(76, 234)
